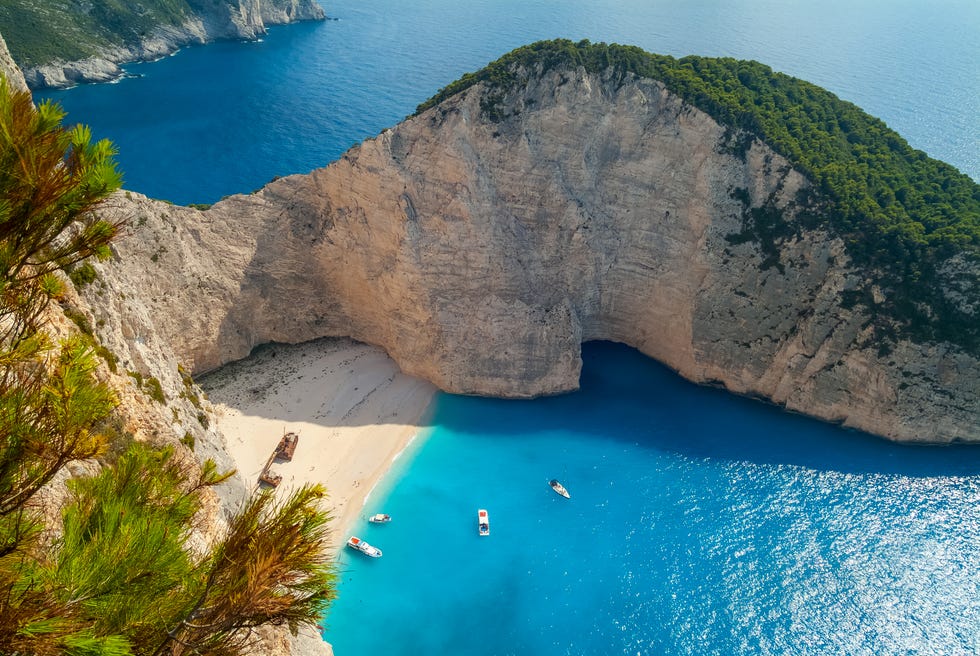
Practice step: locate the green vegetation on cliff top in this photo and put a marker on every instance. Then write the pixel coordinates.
(901, 213)
(39, 32)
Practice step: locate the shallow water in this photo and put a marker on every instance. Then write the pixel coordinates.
(699, 523)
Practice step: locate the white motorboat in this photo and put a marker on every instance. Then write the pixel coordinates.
(380, 518)
(484, 521)
(559, 488)
(360, 545)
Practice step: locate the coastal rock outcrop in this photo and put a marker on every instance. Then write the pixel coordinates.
(277, 12)
(9, 69)
(126, 35)
(481, 253)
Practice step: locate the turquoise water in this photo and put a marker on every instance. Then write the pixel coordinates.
(699, 523)
(228, 117)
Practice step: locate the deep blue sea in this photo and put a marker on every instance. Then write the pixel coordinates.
(226, 118)
(699, 523)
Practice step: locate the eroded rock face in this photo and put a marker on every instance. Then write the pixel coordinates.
(9, 69)
(481, 254)
(275, 12)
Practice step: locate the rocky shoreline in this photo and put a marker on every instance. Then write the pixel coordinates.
(249, 23)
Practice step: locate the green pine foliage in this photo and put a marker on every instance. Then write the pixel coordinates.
(50, 402)
(901, 213)
(270, 568)
(123, 559)
(121, 556)
(50, 179)
(120, 578)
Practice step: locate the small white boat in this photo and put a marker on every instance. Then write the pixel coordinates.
(559, 488)
(484, 521)
(360, 545)
(380, 518)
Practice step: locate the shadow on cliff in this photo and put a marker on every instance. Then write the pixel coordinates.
(626, 396)
(329, 382)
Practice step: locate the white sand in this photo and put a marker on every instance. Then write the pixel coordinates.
(352, 407)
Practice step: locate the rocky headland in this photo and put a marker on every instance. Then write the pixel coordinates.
(87, 43)
(481, 248)
(482, 241)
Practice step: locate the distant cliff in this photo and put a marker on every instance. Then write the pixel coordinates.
(483, 240)
(61, 44)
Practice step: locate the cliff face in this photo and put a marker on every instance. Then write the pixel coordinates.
(149, 31)
(481, 254)
(9, 69)
(277, 12)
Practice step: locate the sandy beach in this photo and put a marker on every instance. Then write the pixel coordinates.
(353, 409)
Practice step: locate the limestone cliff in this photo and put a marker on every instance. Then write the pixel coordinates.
(277, 12)
(63, 45)
(9, 69)
(481, 254)
(160, 403)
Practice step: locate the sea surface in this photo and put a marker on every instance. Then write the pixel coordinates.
(699, 523)
(226, 118)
